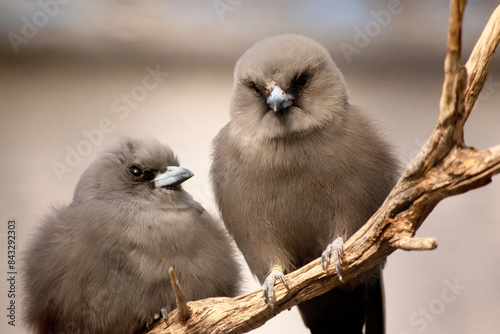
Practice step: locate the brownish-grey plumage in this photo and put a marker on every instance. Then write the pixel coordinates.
(100, 265)
(296, 168)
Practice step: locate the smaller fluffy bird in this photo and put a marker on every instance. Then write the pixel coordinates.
(100, 265)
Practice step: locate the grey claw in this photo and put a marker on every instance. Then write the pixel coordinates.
(334, 249)
(164, 315)
(268, 286)
(149, 321)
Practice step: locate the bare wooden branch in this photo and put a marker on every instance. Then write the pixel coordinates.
(415, 244)
(444, 167)
(479, 60)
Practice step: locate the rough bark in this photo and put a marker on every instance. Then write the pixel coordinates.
(445, 166)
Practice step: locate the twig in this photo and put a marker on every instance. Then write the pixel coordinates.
(184, 312)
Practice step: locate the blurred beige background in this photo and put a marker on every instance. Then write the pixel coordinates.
(72, 80)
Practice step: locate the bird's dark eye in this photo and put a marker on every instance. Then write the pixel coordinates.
(256, 89)
(143, 174)
(136, 171)
(253, 86)
(301, 81)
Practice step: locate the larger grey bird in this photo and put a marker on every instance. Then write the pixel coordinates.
(100, 265)
(296, 171)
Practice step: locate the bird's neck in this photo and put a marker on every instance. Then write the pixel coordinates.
(291, 153)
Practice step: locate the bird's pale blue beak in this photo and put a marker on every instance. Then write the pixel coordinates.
(173, 176)
(279, 99)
